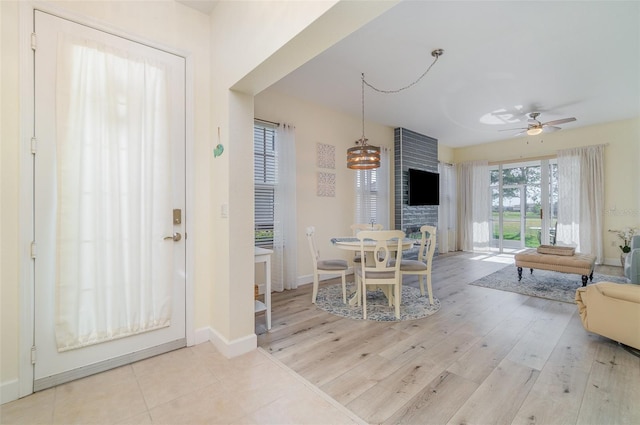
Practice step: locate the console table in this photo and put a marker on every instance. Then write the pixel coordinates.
(263, 255)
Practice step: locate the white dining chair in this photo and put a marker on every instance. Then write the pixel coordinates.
(355, 228)
(326, 266)
(422, 266)
(379, 272)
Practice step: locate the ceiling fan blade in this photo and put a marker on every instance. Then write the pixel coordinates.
(550, 129)
(514, 129)
(524, 131)
(557, 122)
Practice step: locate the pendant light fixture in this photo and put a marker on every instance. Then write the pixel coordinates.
(364, 156)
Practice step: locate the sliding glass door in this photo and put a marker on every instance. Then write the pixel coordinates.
(523, 204)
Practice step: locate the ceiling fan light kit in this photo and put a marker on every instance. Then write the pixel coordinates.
(364, 156)
(534, 131)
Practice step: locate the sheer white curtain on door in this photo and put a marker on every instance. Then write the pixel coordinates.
(284, 260)
(447, 211)
(473, 206)
(114, 270)
(581, 199)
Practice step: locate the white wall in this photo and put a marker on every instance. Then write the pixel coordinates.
(265, 40)
(9, 200)
(315, 124)
(622, 158)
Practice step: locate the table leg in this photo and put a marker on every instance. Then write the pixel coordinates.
(267, 291)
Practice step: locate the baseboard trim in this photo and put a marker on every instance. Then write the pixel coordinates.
(612, 262)
(202, 335)
(9, 391)
(233, 348)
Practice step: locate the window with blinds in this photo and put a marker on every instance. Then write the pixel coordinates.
(367, 201)
(264, 171)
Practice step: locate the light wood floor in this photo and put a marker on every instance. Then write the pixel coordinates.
(487, 357)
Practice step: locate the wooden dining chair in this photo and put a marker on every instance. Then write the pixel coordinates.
(378, 272)
(326, 266)
(422, 266)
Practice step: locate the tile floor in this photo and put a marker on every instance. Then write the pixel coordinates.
(194, 385)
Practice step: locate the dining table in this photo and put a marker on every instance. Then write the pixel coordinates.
(351, 243)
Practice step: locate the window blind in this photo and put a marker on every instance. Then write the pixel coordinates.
(366, 201)
(265, 172)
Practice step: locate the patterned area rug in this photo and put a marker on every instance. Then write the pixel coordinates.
(542, 283)
(413, 306)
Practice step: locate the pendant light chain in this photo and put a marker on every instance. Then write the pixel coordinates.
(363, 156)
(363, 140)
(436, 54)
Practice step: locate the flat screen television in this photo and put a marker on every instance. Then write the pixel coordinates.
(424, 187)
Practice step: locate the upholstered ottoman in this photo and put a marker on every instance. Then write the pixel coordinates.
(557, 260)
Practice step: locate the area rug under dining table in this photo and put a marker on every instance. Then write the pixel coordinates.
(413, 306)
(542, 283)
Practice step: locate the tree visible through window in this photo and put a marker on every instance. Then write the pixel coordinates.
(264, 169)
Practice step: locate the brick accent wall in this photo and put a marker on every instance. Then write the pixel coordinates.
(413, 150)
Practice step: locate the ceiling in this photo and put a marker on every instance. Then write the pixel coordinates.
(204, 6)
(502, 60)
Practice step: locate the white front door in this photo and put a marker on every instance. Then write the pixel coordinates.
(109, 199)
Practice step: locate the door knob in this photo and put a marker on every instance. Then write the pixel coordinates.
(176, 237)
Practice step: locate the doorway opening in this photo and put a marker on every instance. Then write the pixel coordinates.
(524, 204)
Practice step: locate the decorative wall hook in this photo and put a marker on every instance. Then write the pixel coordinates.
(217, 151)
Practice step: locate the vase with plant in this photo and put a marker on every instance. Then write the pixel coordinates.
(625, 235)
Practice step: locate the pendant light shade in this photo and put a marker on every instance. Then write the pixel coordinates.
(363, 156)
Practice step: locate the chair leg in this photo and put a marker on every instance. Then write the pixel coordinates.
(364, 300)
(315, 288)
(396, 300)
(429, 288)
(344, 287)
(421, 277)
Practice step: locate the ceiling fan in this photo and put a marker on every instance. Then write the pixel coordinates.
(536, 127)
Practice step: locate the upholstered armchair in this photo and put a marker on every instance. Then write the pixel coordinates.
(611, 310)
(632, 264)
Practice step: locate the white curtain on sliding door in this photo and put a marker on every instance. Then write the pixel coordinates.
(447, 211)
(113, 195)
(473, 206)
(581, 199)
(285, 248)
